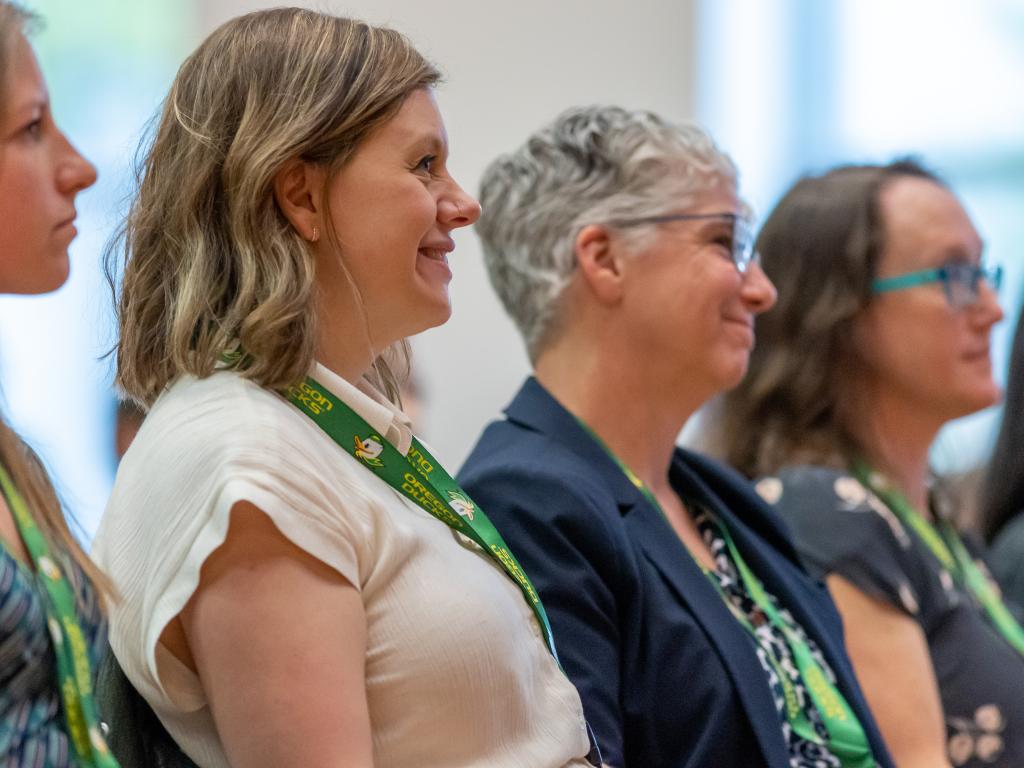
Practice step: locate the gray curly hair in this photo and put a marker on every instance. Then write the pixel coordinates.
(591, 165)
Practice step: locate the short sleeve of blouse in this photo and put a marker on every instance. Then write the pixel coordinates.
(841, 528)
(171, 507)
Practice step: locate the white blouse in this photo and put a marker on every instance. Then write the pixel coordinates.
(457, 672)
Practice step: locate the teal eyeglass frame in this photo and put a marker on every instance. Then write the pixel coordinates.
(952, 276)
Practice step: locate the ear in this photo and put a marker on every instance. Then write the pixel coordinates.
(298, 186)
(598, 261)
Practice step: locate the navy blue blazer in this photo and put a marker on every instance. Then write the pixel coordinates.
(667, 675)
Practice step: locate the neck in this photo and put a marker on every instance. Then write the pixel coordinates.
(350, 354)
(898, 439)
(621, 400)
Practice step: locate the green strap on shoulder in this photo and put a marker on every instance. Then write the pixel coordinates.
(70, 646)
(420, 478)
(846, 737)
(948, 548)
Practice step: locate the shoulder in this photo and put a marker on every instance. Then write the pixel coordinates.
(841, 527)
(817, 497)
(218, 427)
(219, 410)
(537, 490)
(530, 465)
(209, 443)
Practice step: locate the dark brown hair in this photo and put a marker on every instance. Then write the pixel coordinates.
(820, 246)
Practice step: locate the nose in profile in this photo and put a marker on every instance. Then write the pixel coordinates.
(758, 291)
(74, 172)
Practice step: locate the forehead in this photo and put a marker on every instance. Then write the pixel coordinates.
(417, 120)
(925, 224)
(720, 197)
(24, 85)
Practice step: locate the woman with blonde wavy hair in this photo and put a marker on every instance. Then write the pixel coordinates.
(302, 582)
(52, 630)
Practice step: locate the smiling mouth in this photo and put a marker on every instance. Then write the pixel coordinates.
(434, 254)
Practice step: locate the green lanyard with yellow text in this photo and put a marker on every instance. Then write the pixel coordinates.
(948, 548)
(420, 478)
(74, 672)
(846, 738)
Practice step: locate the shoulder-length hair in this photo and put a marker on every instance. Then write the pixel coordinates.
(820, 246)
(208, 258)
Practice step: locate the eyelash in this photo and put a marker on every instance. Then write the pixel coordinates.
(34, 129)
(428, 160)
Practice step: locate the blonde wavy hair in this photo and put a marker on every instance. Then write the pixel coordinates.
(207, 258)
(22, 464)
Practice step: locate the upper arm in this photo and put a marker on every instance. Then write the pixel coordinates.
(278, 638)
(558, 533)
(890, 655)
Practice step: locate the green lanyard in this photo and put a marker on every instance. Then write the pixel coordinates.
(846, 738)
(74, 672)
(948, 548)
(420, 478)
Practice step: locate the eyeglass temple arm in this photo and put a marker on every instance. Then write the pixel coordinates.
(886, 284)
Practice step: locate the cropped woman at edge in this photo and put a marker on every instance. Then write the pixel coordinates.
(293, 590)
(1002, 500)
(880, 337)
(52, 631)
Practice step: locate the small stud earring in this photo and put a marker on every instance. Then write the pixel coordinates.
(316, 234)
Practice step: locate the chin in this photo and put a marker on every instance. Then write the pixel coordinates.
(977, 400)
(38, 285)
(429, 314)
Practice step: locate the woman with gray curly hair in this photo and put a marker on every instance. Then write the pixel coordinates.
(618, 244)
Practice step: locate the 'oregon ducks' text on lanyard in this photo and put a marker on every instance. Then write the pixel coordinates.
(70, 646)
(846, 738)
(420, 478)
(948, 548)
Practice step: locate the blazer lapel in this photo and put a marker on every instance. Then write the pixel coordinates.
(663, 549)
(534, 408)
(781, 576)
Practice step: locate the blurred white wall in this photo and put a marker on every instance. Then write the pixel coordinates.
(510, 67)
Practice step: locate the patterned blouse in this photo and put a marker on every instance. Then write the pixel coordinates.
(840, 527)
(32, 725)
(802, 753)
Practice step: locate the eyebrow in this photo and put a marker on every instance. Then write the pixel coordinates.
(957, 253)
(39, 102)
(727, 222)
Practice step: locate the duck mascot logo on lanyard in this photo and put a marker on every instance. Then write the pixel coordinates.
(462, 504)
(369, 450)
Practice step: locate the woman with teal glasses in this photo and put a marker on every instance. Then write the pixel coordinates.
(881, 336)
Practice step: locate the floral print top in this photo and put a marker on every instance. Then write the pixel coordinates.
(769, 639)
(840, 527)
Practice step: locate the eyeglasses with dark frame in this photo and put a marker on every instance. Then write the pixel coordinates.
(743, 253)
(960, 281)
